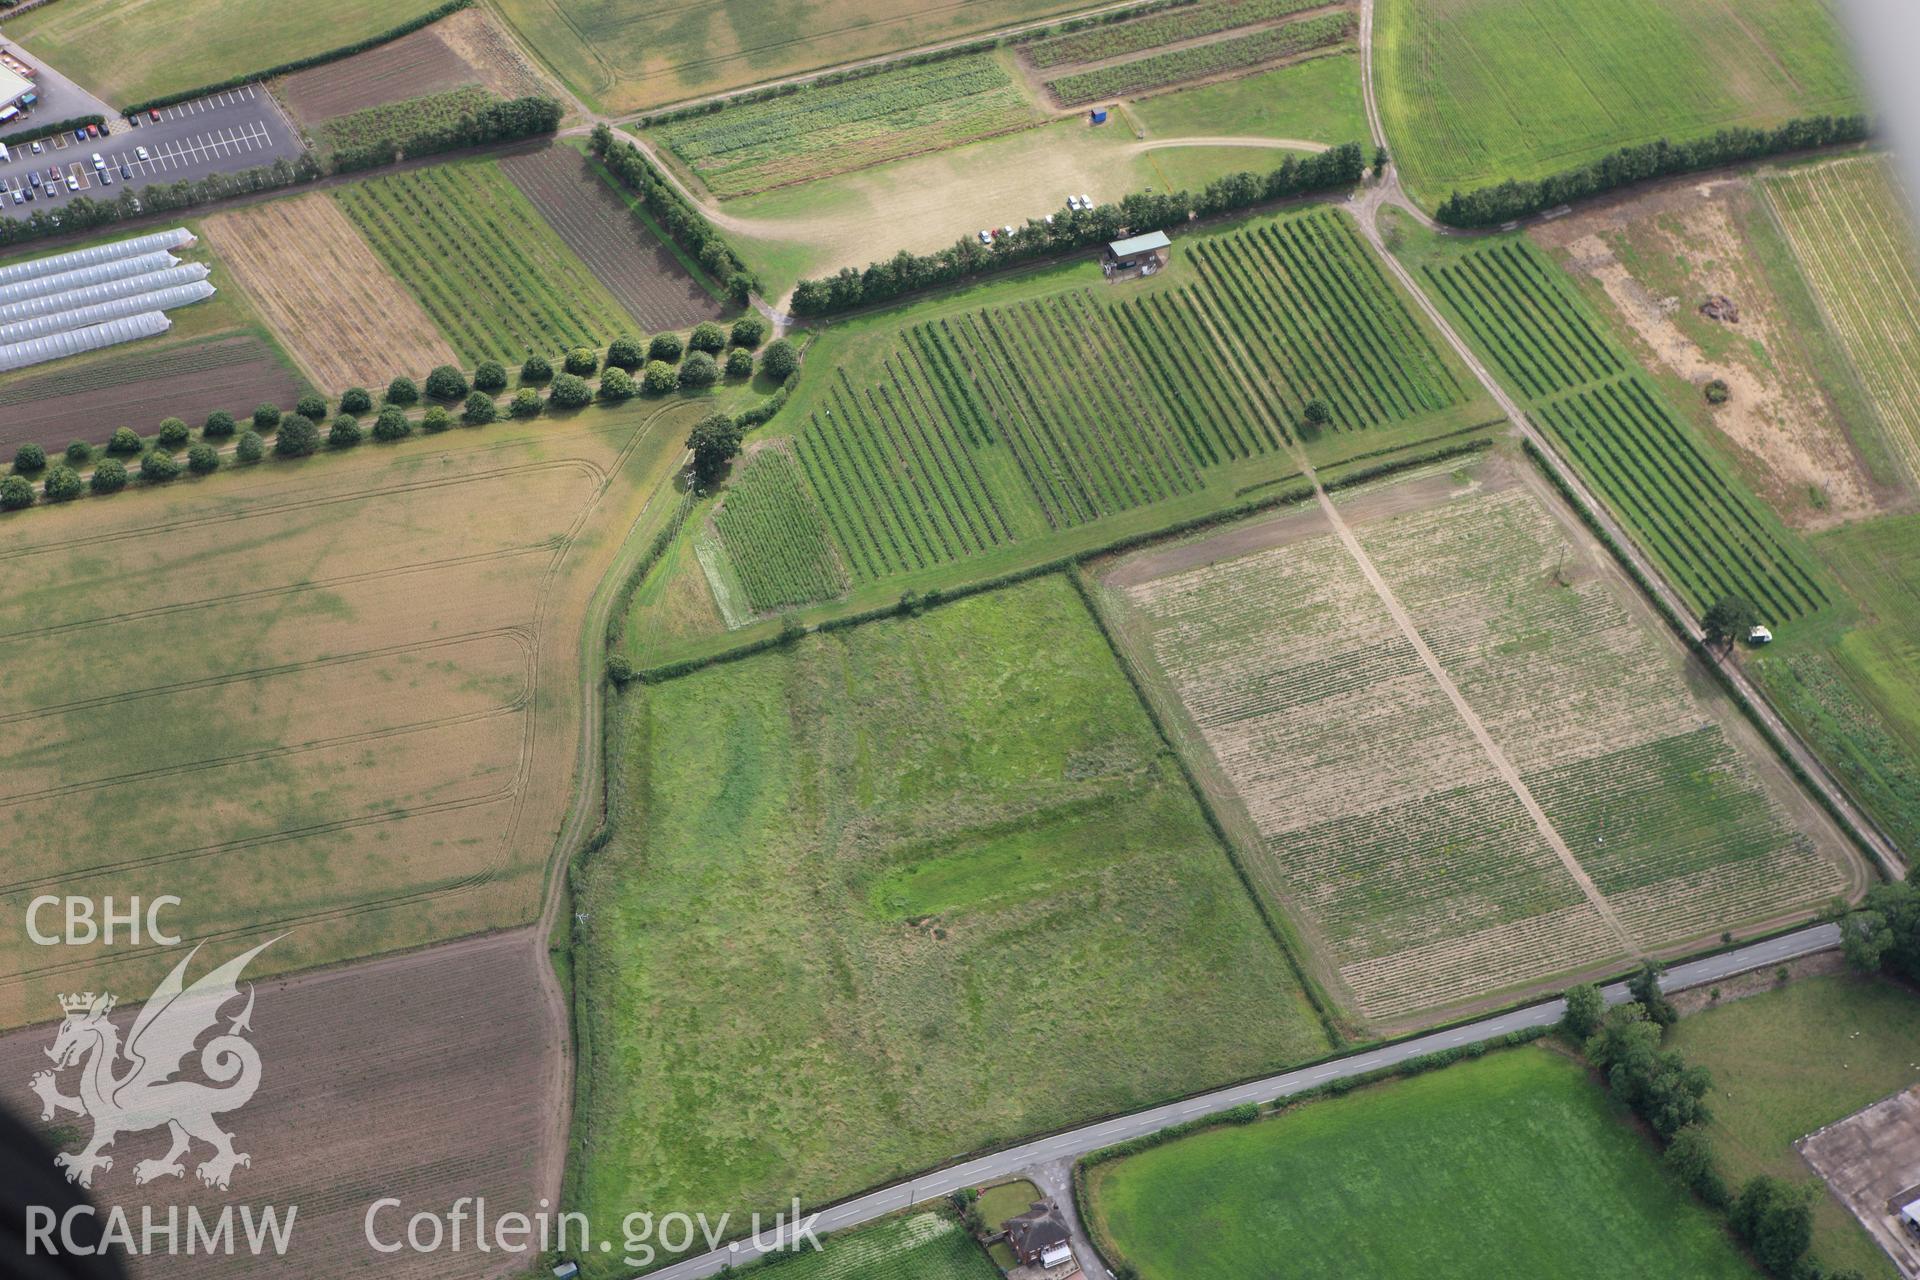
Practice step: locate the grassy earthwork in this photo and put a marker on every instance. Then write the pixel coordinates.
(899, 891)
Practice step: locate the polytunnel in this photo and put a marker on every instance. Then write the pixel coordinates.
(134, 265)
(53, 303)
(19, 355)
(180, 295)
(77, 258)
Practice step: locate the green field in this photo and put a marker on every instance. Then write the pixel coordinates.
(1187, 22)
(821, 131)
(1709, 535)
(1421, 882)
(177, 47)
(483, 263)
(1517, 1157)
(622, 55)
(999, 423)
(1473, 92)
(1793, 1060)
(899, 891)
(1856, 693)
(917, 1246)
(1317, 100)
(1193, 61)
(775, 535)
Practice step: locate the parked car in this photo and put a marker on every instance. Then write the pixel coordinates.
(125, 172)
(1086, 201)
(93, 131)
(34, 177)
(79, 135)
(36, 148)
(134, 119)
(141, 152)
(986, 237)
(105, 130)
(73, 183)
(53, 173)
(18, 198)
(153, 113)
(98, 163)
(106, 178)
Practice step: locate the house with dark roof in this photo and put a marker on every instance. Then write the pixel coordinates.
(1039, 1236)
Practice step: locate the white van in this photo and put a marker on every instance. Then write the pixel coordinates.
(5, 155)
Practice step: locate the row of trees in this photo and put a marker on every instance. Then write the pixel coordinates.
(685, 224)
(501, 120)
(1883, 935)
(1070, 229)
(1491, 206)
(80, 213)
(1773, 1218)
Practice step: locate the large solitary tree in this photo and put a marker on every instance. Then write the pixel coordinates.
(715, 440)
(1728, 617)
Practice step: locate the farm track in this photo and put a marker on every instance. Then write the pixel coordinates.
(592, 220)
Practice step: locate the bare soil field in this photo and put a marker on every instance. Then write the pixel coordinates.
(339, 697)
(371, 1086)
(592, 220)
(466, 48)
(187, 380)
(1579, 804)
(1651, 262)
(328, 298)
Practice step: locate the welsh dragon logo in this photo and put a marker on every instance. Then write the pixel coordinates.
(130, 1089)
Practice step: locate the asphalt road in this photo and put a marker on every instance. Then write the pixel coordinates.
(1075, 1143)
(221, 133)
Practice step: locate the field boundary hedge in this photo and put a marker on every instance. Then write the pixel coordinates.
(1492, 206)
(684, 224)
(1814, 787)
(19, 136)
(391, 34)
(907, 272)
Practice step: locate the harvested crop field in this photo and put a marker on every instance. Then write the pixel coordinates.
(591, 218)
(371, 1077)
(1572, 802)
(330, 300)
(339, 696)
(466, 48)
(137, 389)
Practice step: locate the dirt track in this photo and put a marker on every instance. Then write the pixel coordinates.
(372, 1085)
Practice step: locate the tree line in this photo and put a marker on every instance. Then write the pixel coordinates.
(682, 222)
(500, 120)
(1491, 206)
(906, 272)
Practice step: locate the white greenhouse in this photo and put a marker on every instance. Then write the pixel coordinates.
(76, 258)
(148, 324)
(53, 303)
(180, 295)
(137, 264)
